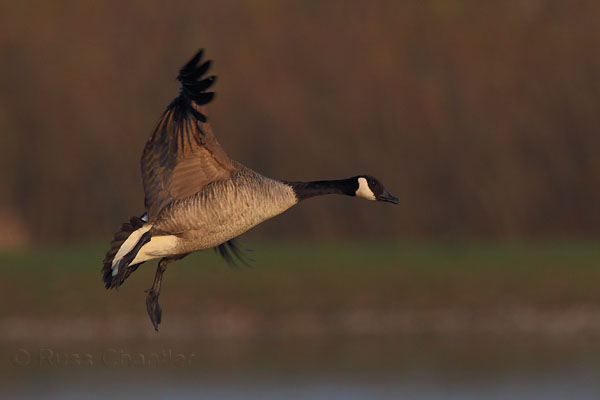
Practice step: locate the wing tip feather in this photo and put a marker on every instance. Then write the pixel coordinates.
(193, 91)
(231, 252)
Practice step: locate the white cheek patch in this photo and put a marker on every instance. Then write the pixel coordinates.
(363, 190)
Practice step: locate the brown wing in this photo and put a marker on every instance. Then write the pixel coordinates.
(183, 155)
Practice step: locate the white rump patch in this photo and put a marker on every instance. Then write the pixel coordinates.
(363, 190)
(158, 246)
(127, 246)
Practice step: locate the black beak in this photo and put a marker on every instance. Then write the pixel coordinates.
(387, 196)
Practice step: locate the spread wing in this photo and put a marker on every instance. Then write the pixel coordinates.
(183, 155)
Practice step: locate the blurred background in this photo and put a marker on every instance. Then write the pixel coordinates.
(481, 116)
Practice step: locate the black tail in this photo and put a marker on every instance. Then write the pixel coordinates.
(123, 268)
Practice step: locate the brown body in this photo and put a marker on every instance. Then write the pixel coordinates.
(196, 197)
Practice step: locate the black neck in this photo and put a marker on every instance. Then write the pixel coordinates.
(305, 190)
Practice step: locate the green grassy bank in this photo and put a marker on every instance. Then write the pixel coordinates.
(313, 277)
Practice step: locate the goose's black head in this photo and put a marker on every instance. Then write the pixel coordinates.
(364, 186)
(370, 188)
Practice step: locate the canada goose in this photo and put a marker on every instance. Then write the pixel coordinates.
(197, 197)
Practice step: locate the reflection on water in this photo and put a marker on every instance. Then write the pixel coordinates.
(562, 384)
(371, 368)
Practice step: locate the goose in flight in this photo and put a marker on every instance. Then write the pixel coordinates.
(197, 198)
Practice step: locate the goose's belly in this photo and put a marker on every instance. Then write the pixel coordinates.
(209, 219)
(211, 235)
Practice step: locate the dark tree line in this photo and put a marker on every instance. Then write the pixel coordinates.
(481, 116)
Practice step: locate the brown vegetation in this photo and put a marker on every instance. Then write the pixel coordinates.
(481, 116)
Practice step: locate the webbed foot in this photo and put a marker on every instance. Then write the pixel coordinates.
(154, 310)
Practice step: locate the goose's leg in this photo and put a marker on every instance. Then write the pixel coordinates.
(154, 310)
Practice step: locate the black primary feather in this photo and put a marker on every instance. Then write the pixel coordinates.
(193, 90)
(232, 252)
(183, 121)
